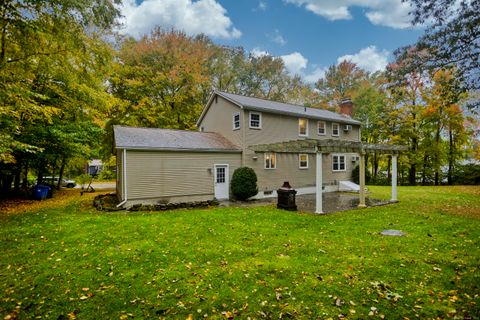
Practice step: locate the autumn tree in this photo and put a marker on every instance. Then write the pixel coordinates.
(406, 90)
(445, 118)
(52, 62)
(340, 82)
(452, 38)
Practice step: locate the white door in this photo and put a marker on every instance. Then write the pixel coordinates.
(221, 181)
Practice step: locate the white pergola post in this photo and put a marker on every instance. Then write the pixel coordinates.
(362, 180)
(394, 178)
(319, 184)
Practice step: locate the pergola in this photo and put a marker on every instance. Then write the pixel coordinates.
(319, 147)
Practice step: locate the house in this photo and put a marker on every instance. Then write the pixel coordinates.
(94, 167)
(280, 141)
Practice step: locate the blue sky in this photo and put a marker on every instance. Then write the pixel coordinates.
(309, 35)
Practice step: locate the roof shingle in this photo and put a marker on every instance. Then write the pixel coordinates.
(285, 108)
(167, 139)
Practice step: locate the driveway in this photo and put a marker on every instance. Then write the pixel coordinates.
(100, 185)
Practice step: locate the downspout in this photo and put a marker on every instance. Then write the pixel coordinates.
(124, 162)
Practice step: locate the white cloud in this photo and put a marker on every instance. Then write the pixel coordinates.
(369, 59)
(193, 17)
(257, 53)
(295, 62)
(390, 13)
(262, 5)
(278, 38)
(316, 74)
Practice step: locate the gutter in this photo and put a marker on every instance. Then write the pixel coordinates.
(125, 194)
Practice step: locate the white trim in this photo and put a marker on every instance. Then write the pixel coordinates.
(344, 162)
(227, 178)
(265, 162)
(250, 119)
(239, 121)
(394, 178)
(319, 183)
(338, 126)
(306, 127)
(300, 161)
(324, 128)
(124, 164)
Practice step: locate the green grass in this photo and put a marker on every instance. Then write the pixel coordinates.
(75, 262)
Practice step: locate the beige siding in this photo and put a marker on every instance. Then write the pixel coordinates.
(278, 128)
(120, 192)
(219, 118)
(287, 169)
(168, 176)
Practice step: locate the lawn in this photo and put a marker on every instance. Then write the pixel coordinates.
(72, 261)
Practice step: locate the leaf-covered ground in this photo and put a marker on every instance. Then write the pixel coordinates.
(74, 262)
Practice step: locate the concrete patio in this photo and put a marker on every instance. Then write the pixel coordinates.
(332, 202)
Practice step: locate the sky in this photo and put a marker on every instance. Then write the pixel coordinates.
(309, 35)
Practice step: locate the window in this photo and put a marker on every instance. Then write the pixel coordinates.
(236, 121)
(303, 161)
(338, 162)
(270, 160)
(335, 129)
(321, 128)
(255, 120)
(302, 127)
(220, 174)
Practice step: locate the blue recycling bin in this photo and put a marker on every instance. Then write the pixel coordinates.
(40, 192)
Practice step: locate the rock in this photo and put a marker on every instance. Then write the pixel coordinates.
(393, 233)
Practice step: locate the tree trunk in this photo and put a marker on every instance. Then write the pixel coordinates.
(412, 172)
(450, 157)
(389, 164)
(424, 172)
(60, 175)
(437, 157)
(17, 173)
(25, 176)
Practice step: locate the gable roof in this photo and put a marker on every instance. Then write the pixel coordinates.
(256, 104)
(167, 139)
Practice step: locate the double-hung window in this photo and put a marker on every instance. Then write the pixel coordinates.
(303, 161)
(338, 162)
(335, 129)
(270, 160)
(302, 127)
(321, 128)
(236, 121)
(255, 120)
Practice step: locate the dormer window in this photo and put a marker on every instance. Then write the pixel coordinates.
(335, 129)
(302, 127)
(236, 121)
(321, 128)
(255, 120)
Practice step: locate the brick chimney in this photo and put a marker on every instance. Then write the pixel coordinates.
(346, 107)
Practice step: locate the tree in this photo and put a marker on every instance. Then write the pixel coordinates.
(406, 85)
(52, 66)
(340, 82)
(452, 37)
(445, 118)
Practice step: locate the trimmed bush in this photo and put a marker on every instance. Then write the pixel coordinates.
(244, 183)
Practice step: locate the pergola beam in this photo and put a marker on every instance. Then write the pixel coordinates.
(320, 147)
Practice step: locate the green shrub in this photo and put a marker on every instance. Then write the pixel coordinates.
(244, 183)
(467, 174)
(106, 174)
